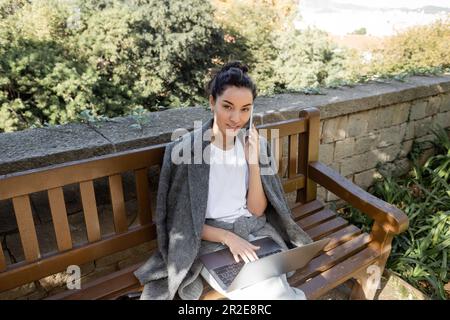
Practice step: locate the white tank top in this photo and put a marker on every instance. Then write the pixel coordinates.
(228, 183)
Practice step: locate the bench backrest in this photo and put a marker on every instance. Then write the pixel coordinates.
(302, 135)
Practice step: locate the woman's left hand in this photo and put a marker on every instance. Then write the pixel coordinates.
(252, 147)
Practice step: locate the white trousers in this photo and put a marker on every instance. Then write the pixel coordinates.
(274, 288)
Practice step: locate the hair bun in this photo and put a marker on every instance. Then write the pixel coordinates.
(235, 64)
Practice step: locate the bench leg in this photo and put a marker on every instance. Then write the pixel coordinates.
(369, 280)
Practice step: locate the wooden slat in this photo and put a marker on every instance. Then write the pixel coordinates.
(59, 175)
(327, 260)
(21, 273)
(316, 219)
(338, 274)
(301, 210)
(90, 211)
(24, 217)
(287, 127)
(143, 197)
(102, 287)
(313, 117)
(118, 203)
(341, 236)
(293, 184)
(326, 228)
(279, 158)
(2, 259)
(293, 155)
(276, 147)
(59, 216)
(302, 162)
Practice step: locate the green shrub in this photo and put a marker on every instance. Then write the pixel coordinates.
(418, 50)
(309, 58)
(58, 58)
(421, 254)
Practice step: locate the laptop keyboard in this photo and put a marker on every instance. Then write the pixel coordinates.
(227, 273)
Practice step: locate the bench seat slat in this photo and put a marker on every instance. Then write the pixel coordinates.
(118, 203)
(316, 218)
(328, 259)
(90, 211)
(341, 236)
(27, 230)
(300, 210)
(326, 228)
(99, 288)
(338, 274)
(59, 216)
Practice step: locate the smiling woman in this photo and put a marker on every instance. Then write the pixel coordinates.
(236, 194)
(220, 202)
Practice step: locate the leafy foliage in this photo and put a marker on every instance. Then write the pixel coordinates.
(420, 255)
(58, 58)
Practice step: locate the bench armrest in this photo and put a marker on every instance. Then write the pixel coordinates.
(389, 217)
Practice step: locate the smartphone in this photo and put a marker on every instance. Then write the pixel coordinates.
(250, 122)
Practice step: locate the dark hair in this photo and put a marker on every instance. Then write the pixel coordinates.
(233, 73)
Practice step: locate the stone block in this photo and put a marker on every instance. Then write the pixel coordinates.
(442, 119)
(365, 179)
(391, 135)
(334, 129)
(366, 143)
(326, 153)
(357, 124)
(445, 103)
(433, 105)
(418, 110)
(344, 148)
(401, 112)
(422, 127)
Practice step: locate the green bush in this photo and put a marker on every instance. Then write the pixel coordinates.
(254, 27)
(421, 254)
(418, 50)
(62, 60)
(58, 58)
(309, 59)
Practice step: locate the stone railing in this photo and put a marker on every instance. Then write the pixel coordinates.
(365, 130)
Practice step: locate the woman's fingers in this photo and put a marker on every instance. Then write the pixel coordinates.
(251, 255)
(245, 258)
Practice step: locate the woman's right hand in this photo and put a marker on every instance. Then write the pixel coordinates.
(241, 247)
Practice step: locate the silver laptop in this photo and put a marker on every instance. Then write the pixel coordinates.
(272, 262)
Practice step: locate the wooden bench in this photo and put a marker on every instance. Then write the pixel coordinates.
(347, 256)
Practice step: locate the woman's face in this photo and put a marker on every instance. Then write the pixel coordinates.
(232, 109)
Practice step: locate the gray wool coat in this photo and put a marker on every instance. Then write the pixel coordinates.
(180, 215)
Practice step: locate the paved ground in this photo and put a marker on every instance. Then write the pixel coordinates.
(392, 288)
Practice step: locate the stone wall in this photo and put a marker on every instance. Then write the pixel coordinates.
(366, 130)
